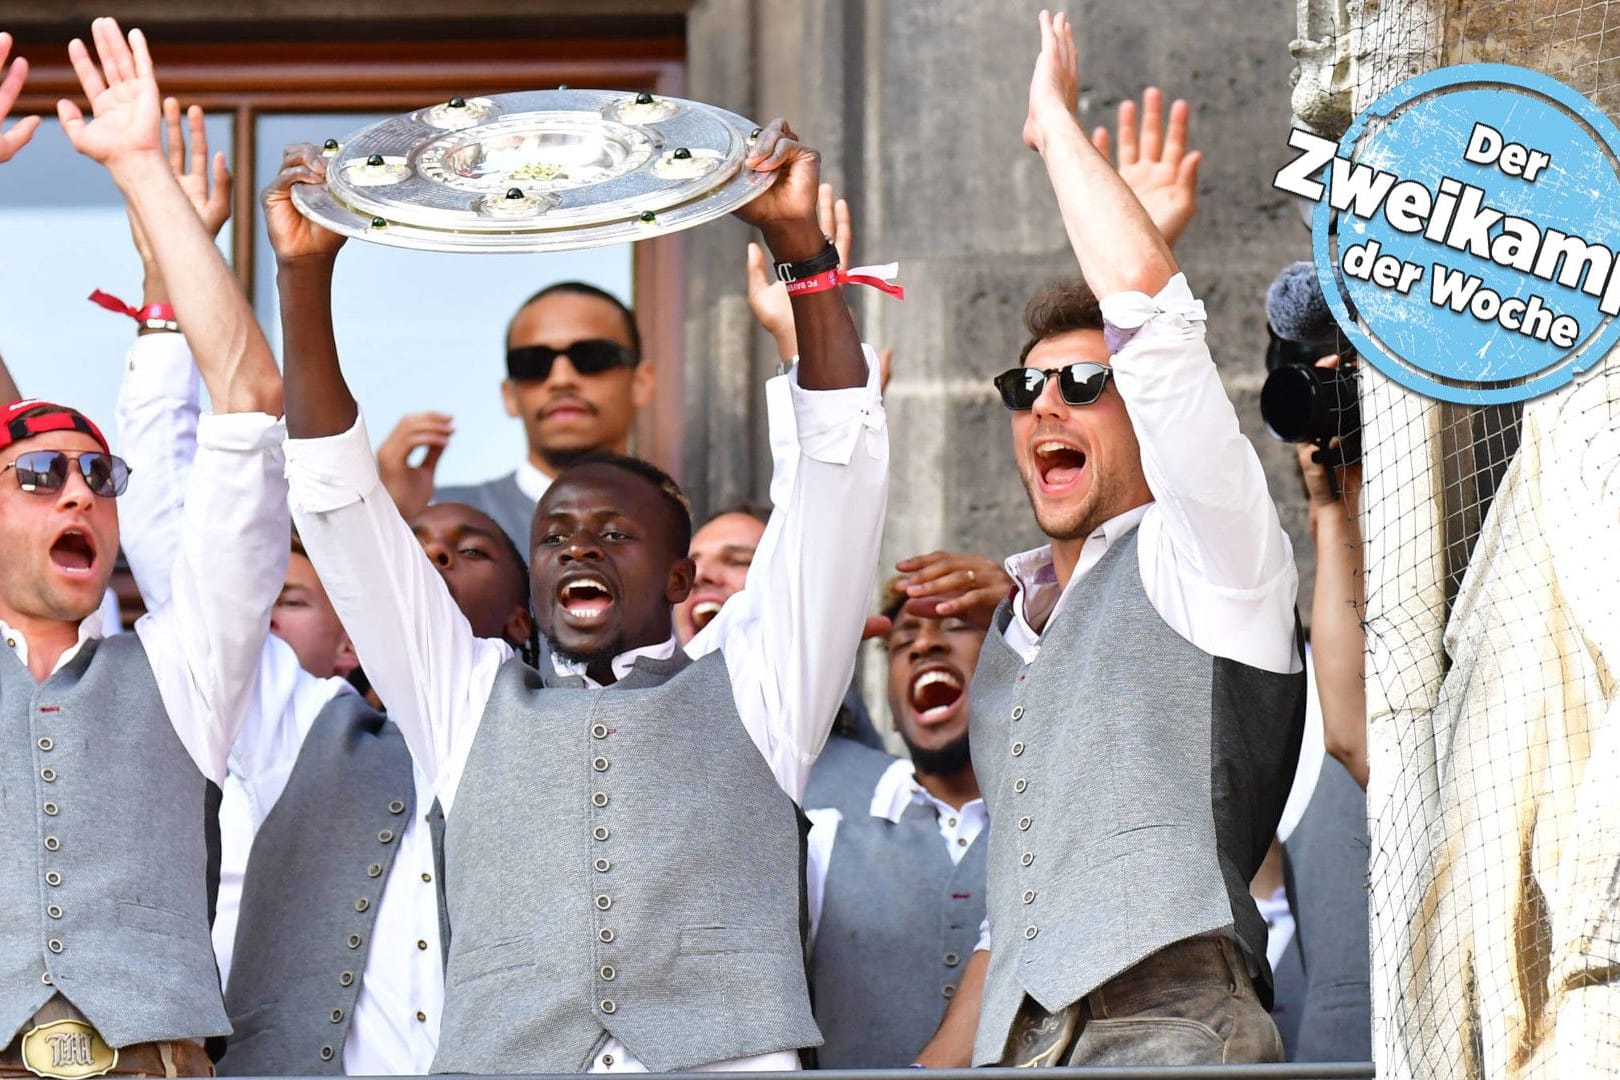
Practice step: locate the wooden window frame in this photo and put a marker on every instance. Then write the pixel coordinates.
(249, 80)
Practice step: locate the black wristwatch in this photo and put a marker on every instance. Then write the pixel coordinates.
(808, 268)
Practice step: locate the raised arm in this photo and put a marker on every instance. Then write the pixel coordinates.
(203, 645)
(12, 140)
(416, 647)
(1113, 237)
(1338, 642)
(791, 635)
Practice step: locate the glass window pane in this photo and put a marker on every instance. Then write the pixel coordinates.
(64, 234)
(425, 330)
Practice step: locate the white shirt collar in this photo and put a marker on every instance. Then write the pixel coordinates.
(90, 627)
(621, 663)
(530, 480)
(898, 788)
(1036, 576)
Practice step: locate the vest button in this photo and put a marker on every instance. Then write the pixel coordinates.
(608, 1006)
(607, 973)
(396, 807)
(45, 977)
(598, 731)
(52, 843)
(1018, 712)
(354, 941)
(326, 1053)
(605, 936)
(602, 866)
(50, 809)
(374, 870)
(48, 775)
(46, 744)
(601, 832)
(951, 959)
(1023, 824)
(600, 764)
(1020, 785)
(1029, 933)
(346, 979)
(947, 990)
(55, 945)
(1017, 749)
(54, 911)
(385, 836)
(337, 1016)
(604, 902)
(1029, 896)
(1027, 858)
(52, 878)
(599, 799)
(362, 904)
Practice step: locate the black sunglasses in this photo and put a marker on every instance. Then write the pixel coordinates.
(43, 472)
(589, 357)
(1080, 383)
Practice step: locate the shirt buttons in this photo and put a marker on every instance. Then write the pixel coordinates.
(422, 945)
(346, 979)
(396, 807)
(600, 799)
(609, 1007)
(362, 904)
(599, 764)
(602, 866)
(421, 1017)
(951, 959)
(598, 731)
(1029, 933)
(1027, 857)
(1023, 824)
(951, 822)
(374, 870)
(427, 876)
(607, 1061)
(1018, 711)
(604, 902)
(961, 841)
(607, 973)
(1020, 785)
(605, 936)
(386, 836)
(1017, 749)
(601, 832)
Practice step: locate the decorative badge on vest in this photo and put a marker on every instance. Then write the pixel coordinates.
(67, 1050)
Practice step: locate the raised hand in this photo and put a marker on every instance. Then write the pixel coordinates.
(768, 298)
(944, 583)
(1054, 88)
(23, 130)
(411, 486)
(786, 213)
(1155, 162)
(293, 237)
(123, 96)
(207, 184)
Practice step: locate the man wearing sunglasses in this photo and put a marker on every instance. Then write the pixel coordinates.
(105, 964)
(1137, 707)
(574, 376)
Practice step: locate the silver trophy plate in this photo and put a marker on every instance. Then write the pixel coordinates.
(539, 170)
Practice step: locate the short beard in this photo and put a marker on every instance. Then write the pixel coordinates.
(605, 654)
(947, 760)
(562, 459)
(1093, 512)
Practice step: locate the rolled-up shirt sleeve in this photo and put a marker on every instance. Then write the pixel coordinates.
(414, 644)
(204, 643)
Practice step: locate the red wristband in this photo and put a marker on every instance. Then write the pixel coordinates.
(876, 277)
(161, 312)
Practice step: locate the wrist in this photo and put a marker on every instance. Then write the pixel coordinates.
(794, 241)
(306, 269)
(137, 166)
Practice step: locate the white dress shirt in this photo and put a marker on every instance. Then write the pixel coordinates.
(157, 421)
(531, 481)
(1215, 562)
(789, 638)
(895, 790)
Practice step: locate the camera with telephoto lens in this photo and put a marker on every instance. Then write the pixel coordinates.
(1300, 402)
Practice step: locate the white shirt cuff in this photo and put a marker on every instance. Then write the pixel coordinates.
(160, 367)
(329, 473)
(247, 432)
(830, 421)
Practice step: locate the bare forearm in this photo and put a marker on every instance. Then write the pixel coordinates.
(952, 1045)
(1337, 640)
(230, 350)
(1114, 239)
(319, 402)
(830, 355)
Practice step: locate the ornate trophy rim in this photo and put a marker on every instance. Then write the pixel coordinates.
(535, 171)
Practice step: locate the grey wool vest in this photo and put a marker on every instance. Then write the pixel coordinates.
(621, 862)
(1134, 783)
(103, 864)
(313, 885)
(844, 775)
(898, 923)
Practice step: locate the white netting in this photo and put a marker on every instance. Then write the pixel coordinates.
(1493, 652)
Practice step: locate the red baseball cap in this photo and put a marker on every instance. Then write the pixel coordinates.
(15, 426)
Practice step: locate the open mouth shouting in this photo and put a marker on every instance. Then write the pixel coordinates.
(585, 599)
(1059, 464)
(73, 552)
(704, 608)
(935, 693)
